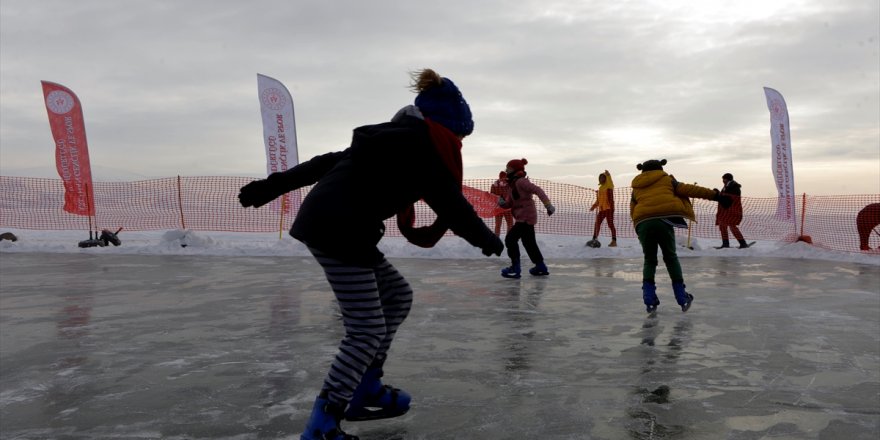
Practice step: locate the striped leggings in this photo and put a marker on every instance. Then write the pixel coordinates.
(374, 301)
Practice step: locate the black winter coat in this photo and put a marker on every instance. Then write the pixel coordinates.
(733, 214)
(387, 168)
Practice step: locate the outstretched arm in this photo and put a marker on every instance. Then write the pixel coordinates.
(694, 191)
(263, 191)
(699, 192)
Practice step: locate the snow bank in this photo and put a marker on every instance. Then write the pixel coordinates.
(185, 242)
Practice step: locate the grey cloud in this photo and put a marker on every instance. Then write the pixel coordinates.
(171, 83)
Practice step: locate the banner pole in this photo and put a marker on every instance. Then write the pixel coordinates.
(805, 238)
(803, 211)
(89, 211)
(180, 204)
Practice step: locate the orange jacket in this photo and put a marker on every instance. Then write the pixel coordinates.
(656, 194)
(605, 195)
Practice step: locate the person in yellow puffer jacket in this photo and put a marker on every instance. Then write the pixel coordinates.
(659, 204)
(605, 205)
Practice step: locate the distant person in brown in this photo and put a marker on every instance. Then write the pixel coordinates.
(867, 219)
(730, 217)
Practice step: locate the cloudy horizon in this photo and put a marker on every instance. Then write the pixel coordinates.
(576, 87)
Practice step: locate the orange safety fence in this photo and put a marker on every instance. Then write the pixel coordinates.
(211, 204)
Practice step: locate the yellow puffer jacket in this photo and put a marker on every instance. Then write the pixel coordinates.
(605, 195)
(656, 194)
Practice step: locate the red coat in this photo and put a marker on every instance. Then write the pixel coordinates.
(502, 189)
(734, 214)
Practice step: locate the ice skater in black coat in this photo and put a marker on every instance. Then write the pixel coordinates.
(387, 168)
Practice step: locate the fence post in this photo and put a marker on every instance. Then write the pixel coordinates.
(180, 203)
(91, 212)
(804, 238)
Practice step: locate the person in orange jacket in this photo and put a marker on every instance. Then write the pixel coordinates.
(659, 204)
(605, 205)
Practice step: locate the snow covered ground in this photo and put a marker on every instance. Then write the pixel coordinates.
(262, 244)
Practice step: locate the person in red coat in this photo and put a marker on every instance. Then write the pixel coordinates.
(501, 189)
(730, 217)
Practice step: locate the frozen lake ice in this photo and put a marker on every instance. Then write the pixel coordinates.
(108, 346)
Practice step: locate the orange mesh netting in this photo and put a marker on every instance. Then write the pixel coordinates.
(211, 204)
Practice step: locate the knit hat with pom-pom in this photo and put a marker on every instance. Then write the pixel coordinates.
(517, 166)
(651, 165)
(445, 105)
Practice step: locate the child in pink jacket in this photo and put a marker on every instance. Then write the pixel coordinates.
(520, 201)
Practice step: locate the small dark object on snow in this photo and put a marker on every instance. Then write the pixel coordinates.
(8, 236)
(105, 239)
(92, 242)
(110, 237)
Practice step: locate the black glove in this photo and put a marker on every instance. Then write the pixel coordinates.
(257, 193)
(495, 246)
(724, 200)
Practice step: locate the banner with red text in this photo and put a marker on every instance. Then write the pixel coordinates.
(71, 149)
(279, 132)
(780, 137)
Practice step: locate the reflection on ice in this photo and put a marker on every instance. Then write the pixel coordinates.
(183, 347)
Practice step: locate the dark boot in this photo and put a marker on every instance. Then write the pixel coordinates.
(725, 243)
(373, 400)
(683, 298)
(324, 422)
(649, 295)
(513, 271)
(743, 244)
(540, 269)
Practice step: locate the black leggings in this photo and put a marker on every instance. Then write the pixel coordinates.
(526, 232)
(374, 301)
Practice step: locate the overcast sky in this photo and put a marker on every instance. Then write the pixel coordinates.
(170, 87)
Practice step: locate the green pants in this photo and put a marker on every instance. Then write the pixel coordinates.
(653, 234)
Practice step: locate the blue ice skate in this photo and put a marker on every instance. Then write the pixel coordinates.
(540, 269)
(372, 400)
(324, 422)
(649, 295)
(683, 298)
(513, 271)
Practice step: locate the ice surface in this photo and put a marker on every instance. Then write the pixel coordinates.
(151, 340)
